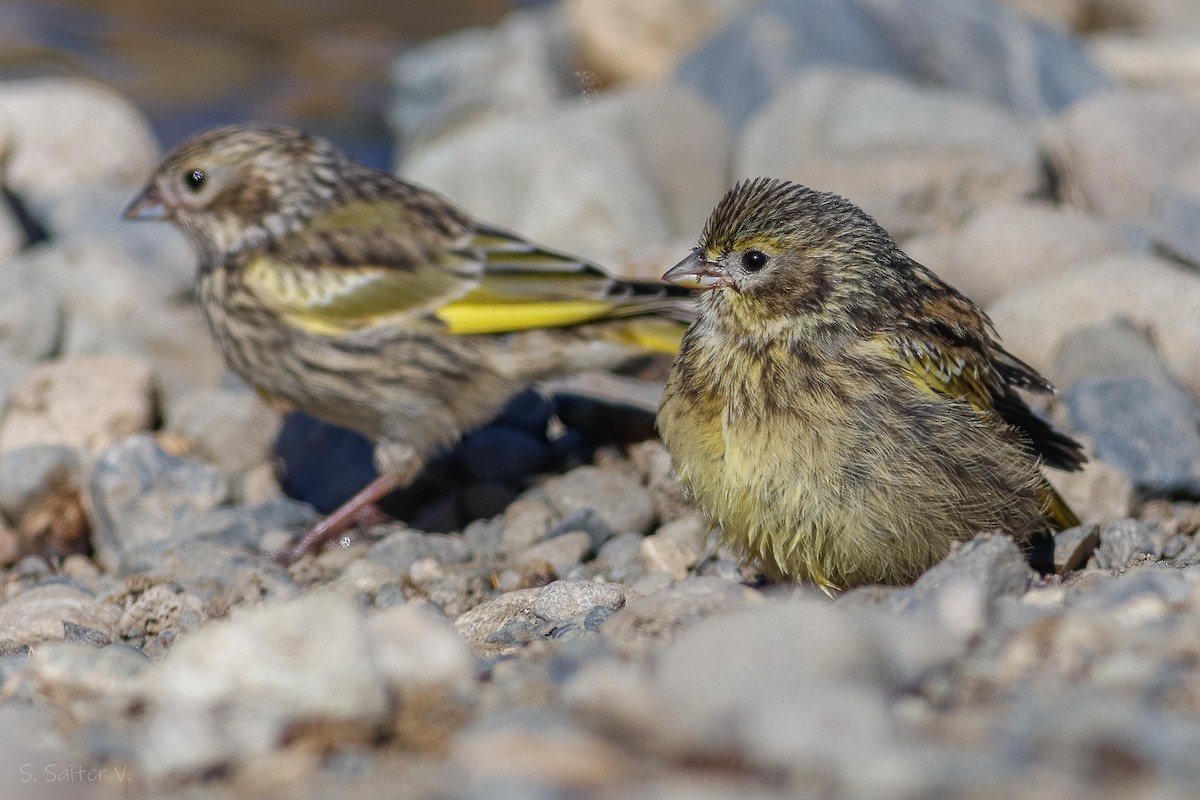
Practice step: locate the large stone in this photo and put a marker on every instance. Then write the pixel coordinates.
(139, 494)
(517, 618)
(38, 614)
(233, 429)
(1149, 292)
(643, 40)
(599, 178)
(1113, 153)
(1030, 67)
(235, 689)
(87, 403)
(63, 132)
(1008, 245)
(917, 159)
(31, 317)
(457, 80)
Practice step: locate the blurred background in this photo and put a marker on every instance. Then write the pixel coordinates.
(323, 65)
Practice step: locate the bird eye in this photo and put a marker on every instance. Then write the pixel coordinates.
(753, 260)
(194, 179)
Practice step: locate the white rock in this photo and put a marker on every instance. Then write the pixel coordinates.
(915, 158)
(61, 132)
(233, 689)
(1006, 246)
(643, 40)
(37, 614)
(585, 178)
(419, 651)
(1113, 153)
(85, 402)
(1148, 291)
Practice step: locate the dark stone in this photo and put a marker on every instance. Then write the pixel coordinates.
(81, 634)
(502, 453)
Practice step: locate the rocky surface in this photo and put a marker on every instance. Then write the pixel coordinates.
(542, 627)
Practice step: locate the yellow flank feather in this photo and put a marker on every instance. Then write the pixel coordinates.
(471, 318)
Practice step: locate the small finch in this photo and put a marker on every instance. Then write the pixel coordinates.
(375, 304)
(841, 412)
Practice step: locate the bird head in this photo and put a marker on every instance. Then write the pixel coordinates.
(779, 249)
(239, 185)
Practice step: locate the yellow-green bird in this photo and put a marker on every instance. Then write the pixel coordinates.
(346, 292)
(841, 412)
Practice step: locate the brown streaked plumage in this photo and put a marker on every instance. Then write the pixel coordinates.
(375, 304)
(840, 411)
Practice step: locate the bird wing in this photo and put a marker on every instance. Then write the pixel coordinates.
(525, 286)
(365, 264)
(958, 371)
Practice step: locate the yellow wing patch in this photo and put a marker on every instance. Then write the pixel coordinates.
(467, 317)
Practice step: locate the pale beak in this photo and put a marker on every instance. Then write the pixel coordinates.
(697, 272)
(148, 205)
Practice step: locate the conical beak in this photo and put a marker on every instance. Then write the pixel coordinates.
(148, 205)
(697, 272)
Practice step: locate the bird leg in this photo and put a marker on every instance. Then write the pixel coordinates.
(350, 513)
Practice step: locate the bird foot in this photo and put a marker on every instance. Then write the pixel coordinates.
(357, 512)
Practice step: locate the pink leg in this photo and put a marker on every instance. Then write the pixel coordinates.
(339, 521)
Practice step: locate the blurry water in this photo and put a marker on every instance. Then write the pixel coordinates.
(189, 64)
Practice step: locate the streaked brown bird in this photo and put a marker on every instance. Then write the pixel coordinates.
(375, 304)
(841, 412)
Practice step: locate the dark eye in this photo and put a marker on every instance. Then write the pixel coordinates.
(753, 260)
(194, 179)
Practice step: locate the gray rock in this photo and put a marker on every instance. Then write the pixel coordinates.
(80, 634)
(1074, 546)
(233, 429)
(31, 318)
(1123, 541)
(964, 586)
(563, 553)
(455, 80)
(526, 615)
(404, 548)
(142, 494)
(86, 403)
(787, 685)
(39, 613)
(232, 690)
(223, 576)
(655, 620)
(1172, 223)
(916, 158)
(251, 526)
(27, 473)
(620, 559)
(527, 521)
(1135, 598)
(95, 682)
(1145, 426)
(616, 497)
(483, 537)
(1030, 67)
